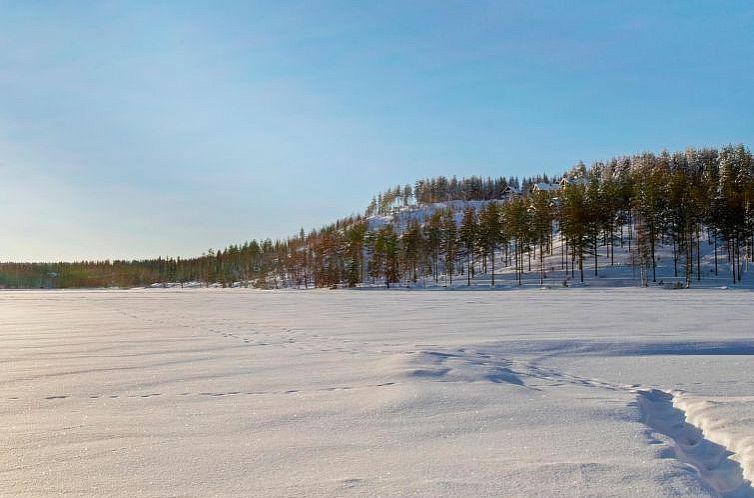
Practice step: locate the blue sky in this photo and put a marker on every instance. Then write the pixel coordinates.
(139, 129)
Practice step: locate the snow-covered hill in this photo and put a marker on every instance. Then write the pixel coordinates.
(616, 266)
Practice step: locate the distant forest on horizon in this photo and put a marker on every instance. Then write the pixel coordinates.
(453, 228)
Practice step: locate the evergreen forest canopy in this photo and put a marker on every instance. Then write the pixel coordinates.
(440, 230)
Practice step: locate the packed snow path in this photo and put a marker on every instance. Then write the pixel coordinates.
(572, 392)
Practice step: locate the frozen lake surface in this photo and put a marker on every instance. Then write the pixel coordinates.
(572, 392)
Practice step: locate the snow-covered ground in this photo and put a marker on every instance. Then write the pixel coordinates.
(235, 392)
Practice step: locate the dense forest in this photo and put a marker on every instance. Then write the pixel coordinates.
(448, 230)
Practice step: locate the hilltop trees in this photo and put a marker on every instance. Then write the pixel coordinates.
(441, 228)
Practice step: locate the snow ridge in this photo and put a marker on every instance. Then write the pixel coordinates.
(722, 422)
(722, 463)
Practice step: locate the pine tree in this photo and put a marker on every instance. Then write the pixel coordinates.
(449, 242)
(490, 233)
(468, 235)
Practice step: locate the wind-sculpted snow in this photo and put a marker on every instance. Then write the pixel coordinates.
(621, 392)
(452, 367)
(734, 347)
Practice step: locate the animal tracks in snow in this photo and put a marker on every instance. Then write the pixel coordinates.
(505, 358)
(57, 397)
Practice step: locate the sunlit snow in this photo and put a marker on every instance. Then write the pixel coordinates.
(236, 392)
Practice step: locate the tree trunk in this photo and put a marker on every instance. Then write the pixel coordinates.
(541, 266)
(698, 253)
(652, 248)
(468, 267)
(493, 267)
(675, 259)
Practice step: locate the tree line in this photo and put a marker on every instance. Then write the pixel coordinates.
(452, 230)
(442, 189)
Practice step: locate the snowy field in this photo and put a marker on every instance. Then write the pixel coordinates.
(529, 393)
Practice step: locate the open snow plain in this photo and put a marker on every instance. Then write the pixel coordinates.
(573, 392)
